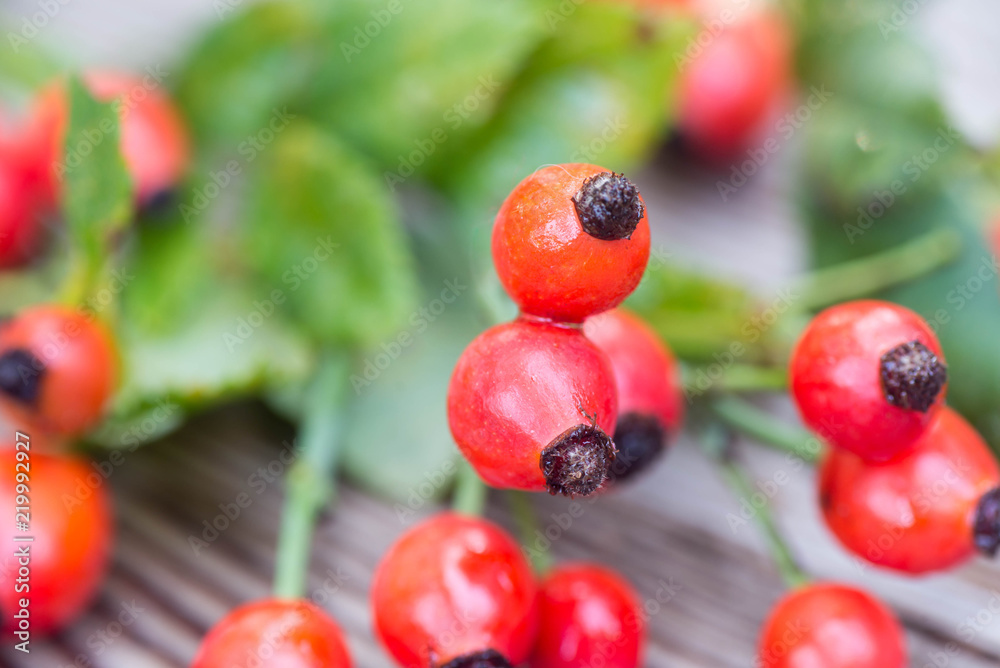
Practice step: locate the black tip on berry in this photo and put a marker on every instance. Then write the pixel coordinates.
(578, 461)
(20, 375)
(986, 530)
(488, 658)
(912, 376)
(160, 203)
(608, 206)
(640, 440)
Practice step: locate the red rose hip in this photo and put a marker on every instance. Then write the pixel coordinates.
(571, 241)
(72, 534)
(733, 86)
(455, 592)
(20, 215)
(274, 633)
(531, 405)
(647, 378)
(831, 626)
(58, 369)
(868, 376)
(927, 509)
(589, 616)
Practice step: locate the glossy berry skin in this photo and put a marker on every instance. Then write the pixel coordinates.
(72, 525)
(916, 512)
(451, 587)
(154, 140)
(834, 374)
(549, 265)
(831, 626)
(274, 633)
(58, 370)
(517, 389)
(648, 383)
(733, 86)
(589, 616)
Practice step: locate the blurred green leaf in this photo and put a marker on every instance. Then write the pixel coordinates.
(599, 90)
(97, 189)
(410, 457)
(232, 347)
(171, 275)
(323, 231)
(702, 317)
(257, 59)
(406, 80)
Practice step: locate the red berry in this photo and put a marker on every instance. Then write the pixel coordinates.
(589, 616)
(650, 398)
(530, 405)
(72, 534)
(20, 217)
(917, 512)
(571, 241)
(734, 86)
(831, 626)
(58, 369)
(455, 592)
(274, 633)
(154, 139)
(868, 376)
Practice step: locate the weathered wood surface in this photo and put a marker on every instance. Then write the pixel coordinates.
(671, 528)
(706, 587)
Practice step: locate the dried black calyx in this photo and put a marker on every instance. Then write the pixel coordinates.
(578, 461)
(608, 206)
(912, 376)
(986, 529)
(640, 440)
(488, 658)
(21, 375)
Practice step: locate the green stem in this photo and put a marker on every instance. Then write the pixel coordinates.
(790, 572)
(470, 491)
(748, 378)
(763, 427)
(877, 272)
(310, 481)
(527, 525)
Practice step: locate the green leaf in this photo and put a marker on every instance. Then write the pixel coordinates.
(600, 90)
(97, 188)
(256, 60)
(234, 346)
(324, 232)
(415, 77)
(410, 457)
(702, 317)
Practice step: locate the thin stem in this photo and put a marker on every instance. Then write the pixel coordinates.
(763, 427)
(310, 481)
(527, 525)
(790, 572)
(749, 378)
(470, 491)
(877, 272)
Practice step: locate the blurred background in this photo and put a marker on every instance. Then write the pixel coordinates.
(346, 165)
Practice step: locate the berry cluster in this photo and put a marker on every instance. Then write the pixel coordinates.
(457, 592)
(534, 404)
(908, 484)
